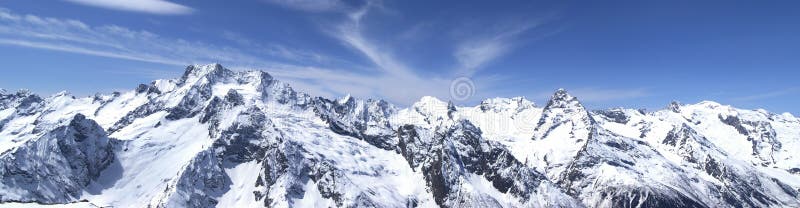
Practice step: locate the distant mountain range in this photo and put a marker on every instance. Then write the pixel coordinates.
(221, 138)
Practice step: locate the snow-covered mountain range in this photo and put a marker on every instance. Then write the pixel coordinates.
(221, 138)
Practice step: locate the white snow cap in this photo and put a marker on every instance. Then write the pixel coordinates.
(429, 101)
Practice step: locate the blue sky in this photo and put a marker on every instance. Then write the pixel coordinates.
(637, 54)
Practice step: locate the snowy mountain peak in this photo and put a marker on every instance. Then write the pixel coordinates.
(710, 104)
(210, 71)
(221, 138)
(63, 93)
(788, 116)
(428, 101)
(562, 99)
(429, 105)
(346, 99)
(562, 130)
(201, 70)
(24, 92)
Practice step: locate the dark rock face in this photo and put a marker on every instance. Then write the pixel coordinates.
(288, 162)
(212, 73)
(742, 187)
(89, 148)
(460, 152)
(367, 120)
(760, 134)
(191, 103)
(674, 106)
(657, 200)
(275, 164)
(605, 148)
(614, 115)
(248, 140)
(23, 99)
(688, 143)
(234, 98)
(23, 102)
(56, 167)
(200, 183)
(140, 112)
(734, 122)
(411, 145)
(794, 170)
(143, 88)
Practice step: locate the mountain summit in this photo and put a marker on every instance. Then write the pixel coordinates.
(221, 138)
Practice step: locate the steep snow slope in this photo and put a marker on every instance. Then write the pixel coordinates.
(562, 131)
(220, 138)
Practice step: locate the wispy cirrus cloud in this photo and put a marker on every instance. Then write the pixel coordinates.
(489, 42)
(394, 78)
(144, 72)
(771, 94)
(310, 5)
(276, 50)
(391, 77)
(68, 35)
(160, 7)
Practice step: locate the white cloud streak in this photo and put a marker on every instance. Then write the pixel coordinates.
(145, 72)
(275, 49)
(772, 94)
(310, 5)
(484, 44)
(84, 51)
(114, 41)
(394, 80)
(159, 7)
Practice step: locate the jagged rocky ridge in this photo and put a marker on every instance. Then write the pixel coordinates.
(221, 138)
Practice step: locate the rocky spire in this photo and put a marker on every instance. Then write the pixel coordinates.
(562, 108)
(562, 99)
(563, 129)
